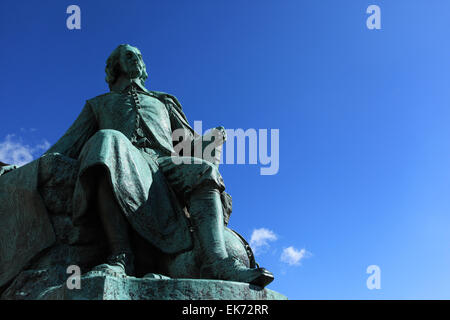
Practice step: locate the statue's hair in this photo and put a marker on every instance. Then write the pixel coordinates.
(113, 69)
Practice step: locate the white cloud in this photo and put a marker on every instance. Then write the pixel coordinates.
(260, 239)
(292, 256)
(14, 151)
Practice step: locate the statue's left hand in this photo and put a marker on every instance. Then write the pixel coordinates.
(217, 133)
(6, 169)
(221, 131)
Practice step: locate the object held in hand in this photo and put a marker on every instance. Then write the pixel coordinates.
(211, 145)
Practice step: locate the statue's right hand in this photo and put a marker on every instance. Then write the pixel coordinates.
(6, 169)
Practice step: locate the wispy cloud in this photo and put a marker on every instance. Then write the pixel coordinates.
(292, 256)
(260, 239)
(14, 151)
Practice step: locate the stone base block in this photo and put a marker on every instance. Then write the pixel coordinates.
(105, 287)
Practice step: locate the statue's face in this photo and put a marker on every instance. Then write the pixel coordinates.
(131, 62)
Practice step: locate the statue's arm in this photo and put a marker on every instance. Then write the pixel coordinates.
(207, 147)
(178, 120)
(71, 143)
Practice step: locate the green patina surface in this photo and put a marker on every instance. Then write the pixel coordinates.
(117, 191)
(100, 287)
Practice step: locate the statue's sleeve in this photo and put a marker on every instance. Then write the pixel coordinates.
(178, 119)
(71, 143)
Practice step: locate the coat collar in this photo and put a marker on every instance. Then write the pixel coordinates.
(126, 83)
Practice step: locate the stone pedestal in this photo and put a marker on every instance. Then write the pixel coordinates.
(105, 287)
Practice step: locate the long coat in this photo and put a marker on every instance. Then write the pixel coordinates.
(102, 135)
(26, 229)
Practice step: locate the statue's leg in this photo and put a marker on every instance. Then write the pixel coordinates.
(205, 208)
(115, 225)
(111, 216)
(199, 185)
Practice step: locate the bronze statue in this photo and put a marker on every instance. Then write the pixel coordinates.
(124, 168)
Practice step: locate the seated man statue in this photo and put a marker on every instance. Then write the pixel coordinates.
(130, 173)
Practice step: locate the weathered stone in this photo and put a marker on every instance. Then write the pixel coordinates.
(26, 229)
(96, 286)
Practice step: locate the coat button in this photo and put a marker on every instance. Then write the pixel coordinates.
(139, 132)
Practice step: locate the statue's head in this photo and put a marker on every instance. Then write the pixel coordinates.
(125, 60)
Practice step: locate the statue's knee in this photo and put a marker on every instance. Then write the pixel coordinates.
(208, 170)
(211, 177)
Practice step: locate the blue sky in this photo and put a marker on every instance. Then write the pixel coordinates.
(364, 176)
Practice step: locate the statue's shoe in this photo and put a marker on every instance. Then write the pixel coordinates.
(118, 265)
(112, 270)
(155, 276)
(232, 270)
